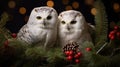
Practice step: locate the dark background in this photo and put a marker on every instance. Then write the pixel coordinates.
(17, 20)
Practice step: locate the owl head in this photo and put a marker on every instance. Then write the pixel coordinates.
(44, 17)
(71, 20)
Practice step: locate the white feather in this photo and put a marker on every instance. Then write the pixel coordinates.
(72, 27)
(41, 27)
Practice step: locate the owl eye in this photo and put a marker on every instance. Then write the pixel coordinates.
(49, 17)
(38, 17)
(73, 22)
(63, 22)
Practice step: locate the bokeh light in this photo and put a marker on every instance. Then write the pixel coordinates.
(93, 11)
(50, 3)
(116, 7)
(22, 10)
(68, 7)
(65, 2)
(75, 5)
(89, 2)
(11, 4)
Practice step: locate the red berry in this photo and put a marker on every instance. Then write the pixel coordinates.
(79, 54)
(76, 56)
(112, 32)
(71, 52)
(116, 27)
(6, 43)
(67, 52)
(69, 58)
(77, 60)
(14, 35)
(88, 49)
(112, 37)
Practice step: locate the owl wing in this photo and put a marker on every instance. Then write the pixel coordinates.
(24, 35)
(91, 30)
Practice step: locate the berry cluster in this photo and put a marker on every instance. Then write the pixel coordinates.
(14, 35)
(72, 53)
(115, 33)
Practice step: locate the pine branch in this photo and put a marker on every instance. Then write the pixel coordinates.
(101, 23)
(3, 20)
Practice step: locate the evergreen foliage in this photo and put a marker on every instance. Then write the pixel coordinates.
(101, 23)
(102, 54)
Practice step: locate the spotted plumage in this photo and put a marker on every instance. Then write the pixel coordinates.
(72, 27)
(41, 27)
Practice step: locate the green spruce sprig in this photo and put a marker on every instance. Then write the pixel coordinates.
(101, 23)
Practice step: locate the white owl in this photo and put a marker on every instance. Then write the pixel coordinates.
(72, 27)
(41, 27)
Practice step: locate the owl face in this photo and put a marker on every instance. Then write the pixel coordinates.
(70, 21)
(44, 17)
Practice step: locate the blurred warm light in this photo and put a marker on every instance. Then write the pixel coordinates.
(50, 3)
(93, 11)
(26, 18)
(11, 4)
(116, 7)
(89, 2)
(75, 5)
(65, 2)
(22, 10)
(68, 7)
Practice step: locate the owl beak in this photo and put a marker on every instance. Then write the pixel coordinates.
(44, 22)
(68, 27)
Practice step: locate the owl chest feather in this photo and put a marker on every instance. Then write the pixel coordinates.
(72, 36)
(38, 34)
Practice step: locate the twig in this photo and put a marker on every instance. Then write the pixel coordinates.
(101, 48)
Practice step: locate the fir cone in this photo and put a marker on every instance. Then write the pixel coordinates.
(71, 46)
